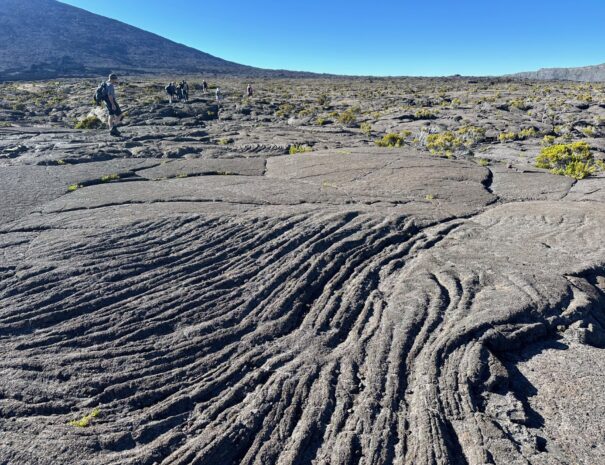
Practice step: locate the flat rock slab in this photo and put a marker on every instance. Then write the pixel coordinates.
(591, 189)
(513, 185)
(196, 167)
(566, 377)
(309, 310)
(24, 187)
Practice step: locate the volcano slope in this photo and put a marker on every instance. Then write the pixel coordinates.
(345, 306)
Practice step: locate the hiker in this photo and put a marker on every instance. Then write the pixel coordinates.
(204, 87)
(185, 88)
(249, 90)
(171, 91)
(179, 92)
(219, 96)
(115, 113)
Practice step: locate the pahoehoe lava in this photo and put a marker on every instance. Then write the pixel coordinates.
(219, 301)
(342, 330)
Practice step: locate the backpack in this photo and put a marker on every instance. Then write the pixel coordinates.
(100, 94)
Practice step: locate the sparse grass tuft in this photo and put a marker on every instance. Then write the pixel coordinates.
(86, 420)
(294, 149)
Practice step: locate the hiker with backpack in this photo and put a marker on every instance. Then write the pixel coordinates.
(249, 90)
(106, 92)
(171, 91)
(219, 95)
(204, 87)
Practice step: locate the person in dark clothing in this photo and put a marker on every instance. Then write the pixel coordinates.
(185, 90)
(115, 113)
(171, 91)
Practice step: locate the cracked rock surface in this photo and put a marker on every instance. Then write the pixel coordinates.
(229, 304)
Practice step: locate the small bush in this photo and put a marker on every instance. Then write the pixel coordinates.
(527, 133)
(348, 117)
(589, 131)
(445, 143)
(86, 420)
(321, 121)
(574, 160)
(392, 140)
(90, 122)
(323, 100)
(366, 128)
(110, 177)
(507, 136)
(425, 114)
(294, 149)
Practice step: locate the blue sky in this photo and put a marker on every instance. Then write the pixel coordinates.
(380, 37)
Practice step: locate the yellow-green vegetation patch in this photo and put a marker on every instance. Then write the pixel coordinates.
(73, 187)
(90, 122)
(110, 177)
(574, 160)
(86, 420)
(294, 149)
(507, 136)
(393, 140)
(425, 114)
(348, 117)
(448, 142)
(366, 128)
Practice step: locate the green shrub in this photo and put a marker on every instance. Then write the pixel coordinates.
(574, 160)
(445, 143)
(284, 110)
(589, 131)
(366, 128)
(294, 149)
(527, 133)
(90, 122)
(392, 140)
(425, 114)
(323, 100)
(348, 117)
(507, 136)
(321, 121)
(110, 177)
(86, 420)
(548, 140)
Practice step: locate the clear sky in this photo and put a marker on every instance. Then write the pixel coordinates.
(378, 37)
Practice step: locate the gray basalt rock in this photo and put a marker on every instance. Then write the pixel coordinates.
(350, 305)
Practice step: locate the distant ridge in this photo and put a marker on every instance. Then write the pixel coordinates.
(583, 74)
(45, 39)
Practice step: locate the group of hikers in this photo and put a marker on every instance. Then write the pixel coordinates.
(178, 92)
(106, 93)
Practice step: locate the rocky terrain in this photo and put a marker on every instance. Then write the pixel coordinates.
(330, 272)
(583, 74)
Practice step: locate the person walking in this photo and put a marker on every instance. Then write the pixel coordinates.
(219, 95)
(185, 88)
(113, 109)
(204, 87)
(249, 90)
(170, 90)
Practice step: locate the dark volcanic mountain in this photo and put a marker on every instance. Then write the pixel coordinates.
(583, 74)
(46, 39)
